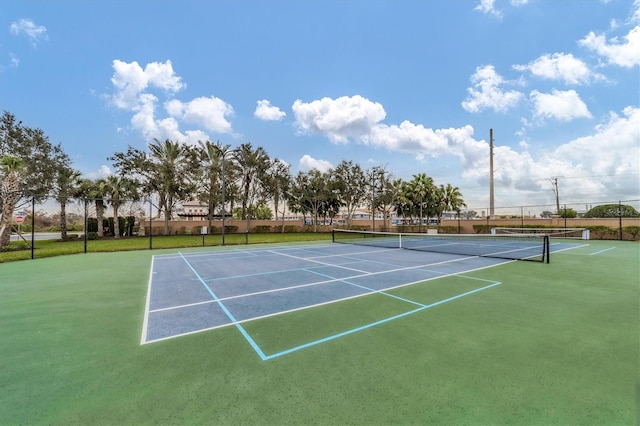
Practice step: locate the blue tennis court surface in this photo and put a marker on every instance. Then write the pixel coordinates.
(198, 291)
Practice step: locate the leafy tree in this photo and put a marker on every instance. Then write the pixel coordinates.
(568, 213)
(350, 184)
(546, 214)
(612, 210)
(309, 193)
(39, 160)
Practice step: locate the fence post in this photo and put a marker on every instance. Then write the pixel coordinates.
(620, 217)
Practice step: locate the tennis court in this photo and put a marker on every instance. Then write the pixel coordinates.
(195, 292)
(552, 344)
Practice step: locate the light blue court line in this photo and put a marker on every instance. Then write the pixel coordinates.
(246, 335)
(373, 290)
(602, 251)
(373, 324)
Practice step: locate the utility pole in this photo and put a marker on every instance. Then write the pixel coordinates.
(491, 200)
(554, 182)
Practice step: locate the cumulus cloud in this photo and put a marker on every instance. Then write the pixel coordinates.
(35, 33)
(340, 119)
(309, 163)
(560, 105)
(211, 113)
(624, 52)
(137, 89)
(131, 80)
(487, 92)
(604, 162)
(560, 66)
(265, 111)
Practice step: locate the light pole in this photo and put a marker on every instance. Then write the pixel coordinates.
(224, 152)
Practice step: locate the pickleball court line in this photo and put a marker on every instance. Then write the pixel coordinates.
(261, 353)
(239, 326)
(376, 323)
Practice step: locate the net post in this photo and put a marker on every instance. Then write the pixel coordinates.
(546, 248)
(333, 235)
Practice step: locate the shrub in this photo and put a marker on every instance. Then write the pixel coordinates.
(230, 229)
(632, 230)
(600, 231)
(482, 229)
(290, 228)
(92, 235)
(262, 229)
(448, 229)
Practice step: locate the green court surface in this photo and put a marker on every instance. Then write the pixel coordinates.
(554, 343)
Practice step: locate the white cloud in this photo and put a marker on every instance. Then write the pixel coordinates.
(486, 92)
(309, 163)
(560, 66)
(35, 33)
(600, 166)
(133, 92)
(488, 8)
(623, 52)
(560, 105)
(131, 80)
(409, 138)
(265, 111)
(340, 119)
(208, 112)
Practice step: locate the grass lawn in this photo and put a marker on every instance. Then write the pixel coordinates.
(553, 344)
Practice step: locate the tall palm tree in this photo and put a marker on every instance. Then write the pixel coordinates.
(277, 185)
(252, 165)
(12, 167)
(451, 199)
(171, 162)
(119, 188)
(421, 191)
(66, 185)
(211, 181)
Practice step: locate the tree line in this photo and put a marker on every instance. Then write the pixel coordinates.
(243, 179)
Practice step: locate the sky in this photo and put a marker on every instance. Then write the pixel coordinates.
(413, 86)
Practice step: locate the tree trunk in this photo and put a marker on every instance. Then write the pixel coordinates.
(63, 220)
(100, 217)
(116, 223)
(8, 205)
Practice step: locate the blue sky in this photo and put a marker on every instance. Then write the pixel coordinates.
(413, 86)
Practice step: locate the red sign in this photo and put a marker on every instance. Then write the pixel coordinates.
(19, 219)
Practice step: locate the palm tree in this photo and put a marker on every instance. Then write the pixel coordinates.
(10, 194)
(119, 188)
(421, 191)
(277, 185)
(451, 199)
(65, 186)
(252, 165)
(170, 164)
(93, 191)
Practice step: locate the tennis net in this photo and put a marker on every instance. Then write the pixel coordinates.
(531, 247)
